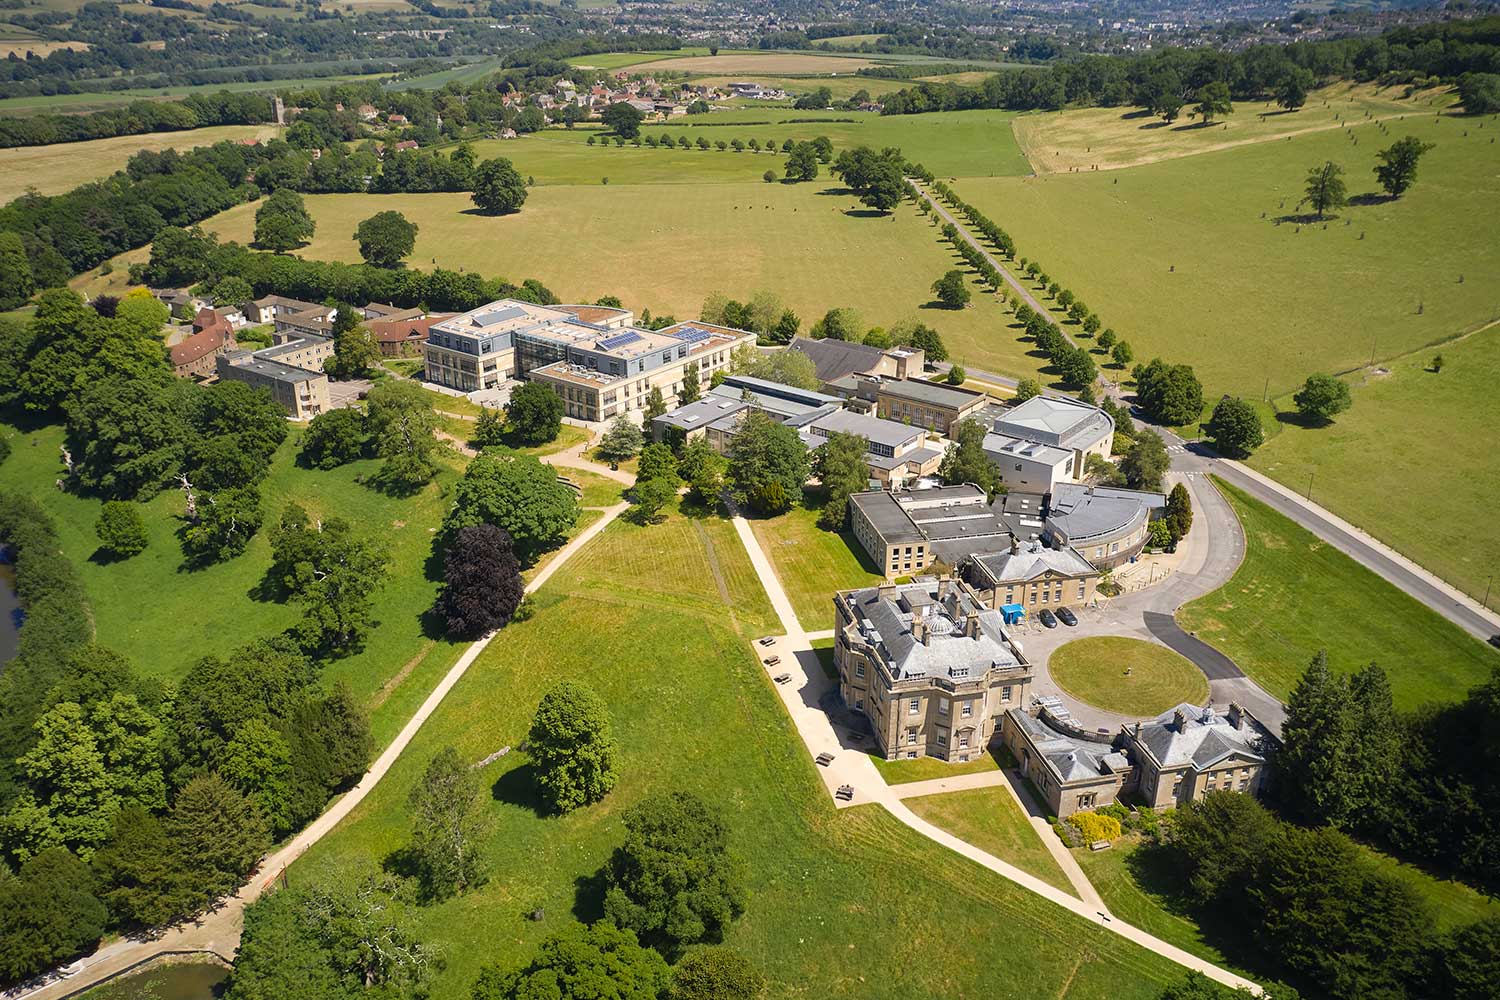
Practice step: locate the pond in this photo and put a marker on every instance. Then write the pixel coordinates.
(179, 981)
(10, 611)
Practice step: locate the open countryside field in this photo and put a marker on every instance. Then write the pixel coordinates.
(771, 63)
(1108, 138)
(1184, 257)
(63, 166)
(139, 602)
(1294, 595)
(989, 819)
(658, 620)
(841, 87)
(1377, 466)
(622, 60)
(669, 253)
(65, 103)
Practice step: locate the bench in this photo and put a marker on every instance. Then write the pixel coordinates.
(845, 792)
(1100, 845)
(824, 759)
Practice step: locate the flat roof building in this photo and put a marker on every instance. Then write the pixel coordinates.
(1107, 524)
(905, 531)
(930, 668)
(911, 401)
(1047, 440)
(301, 393)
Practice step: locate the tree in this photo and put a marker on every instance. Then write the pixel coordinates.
(802, 162)
(68, 799)
(1026, 388)
(877, 178)
(1106, 339)
(481, 582)
(651, 496)
(764, 452)
(1397, 170)
(402, 429)
(1436, 364)
(787, 327)
(258, 762)
(282, 222)
(498, 187)
(601, 962)
(702, 468)
(657, 462)
(952, 290)
(1146, 462)
(1077, 367)
(48, 913)
(1325, 188)
(957, 375)
(839, 324)
(965, 460)
(1219, 841)
(1479, 93)
(121, 530)
(1321, 398)
(446, 827)
(1213, 101)
(535, 413)
(143, 314)
(386, 238)
(1471, 961)
(1122, 354)
(16, 281)
(692, 387)
(331, 574)
(622, 440)
(1170, 394)
(354, 349)
(220, 835)
(674, 881)
(910, 333)
(656, 405)
(518, 493)
(1291, 92)
(139, 872)
(718, 974)
(335, 438)
(624, 119)
(1235, 427)
(787, 367)
(839, 463)
(227, 520)
(572, 745)
(1179, 512)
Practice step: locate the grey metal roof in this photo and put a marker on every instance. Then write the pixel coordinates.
(1198, 736)
(873, 429)
(701, 413)
(837, 358)
(930, 392)
(1057, 420)
(1002, 446)
(892, 624)
(1086, 512)
(274, 370)
(886, 516)
(1068, 758)
(1031, 561)
(779, 390)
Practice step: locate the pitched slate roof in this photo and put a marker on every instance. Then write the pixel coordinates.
(1200, 737)
(897, 624)
(1067, 757)
(1031, 561)
(837, 358)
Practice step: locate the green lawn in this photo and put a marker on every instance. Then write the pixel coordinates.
(1183, 257)
(800, 241)
(65, 103)
(1376, 465)
(902, 771)
(812, 563)
(989, 819)
(658, 620)
(1128, 676)
(1294, 595)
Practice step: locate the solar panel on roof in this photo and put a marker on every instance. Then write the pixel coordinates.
(692, 335)
(619, 340)
(499, 315)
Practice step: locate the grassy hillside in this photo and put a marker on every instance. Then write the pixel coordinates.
(1294, 595)
(658, 620)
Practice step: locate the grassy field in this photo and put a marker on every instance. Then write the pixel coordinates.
(1294, 595)
(769, 63)
(841, 87)
(65, 103)
(812, 563)
(1128, 676)
(904, 772)
(1108, 138)
(849, 41)
(63, 166)
(621, 60)
(656, 620)
(733, 238)
(989, 819)
(1184, 257)
(164, 618)
(1376, 465)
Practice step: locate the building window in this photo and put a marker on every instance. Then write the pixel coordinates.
(1080, 589)
(942, 735)
(1005, 692)
(911, 755)
(942, 706)
(914, 706)
(859, 670)
(1087, 800)
(911, 735)
(963, 741)
(968, 710)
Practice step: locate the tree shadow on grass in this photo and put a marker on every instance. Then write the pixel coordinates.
(865, 213)
(1304, 218)
(1136, 113)
(1369, 198)
(1152, 126)
(1297, 419)
(588, 896)
(518, 787)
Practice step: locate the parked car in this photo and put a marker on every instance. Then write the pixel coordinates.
(1067, 617)
(1047, 618)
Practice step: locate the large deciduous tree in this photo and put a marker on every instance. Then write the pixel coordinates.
(401, 425)
(1170, 394)
(1321, 398)
(481, 582)
(1325, 189)
(335, 438)
(386, 238)
(120, 529)
(535, 413)
(498, 187)
(952, 290)
(768, 463)
(716, 974)
(572, 744)
(447, 826)
(601, 962)
(1146, 462)
(1235, 427)
(1397, 170)
(354, 349)
(282, 222)
(965, 460)
(520, 494)
(624, 118)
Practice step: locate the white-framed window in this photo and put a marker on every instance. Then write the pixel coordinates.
(859, 670)
(942, 735)
(963, 741)
(942, 706)
(1005, 692)
(914, 706)
(967, 711)
(911, 735)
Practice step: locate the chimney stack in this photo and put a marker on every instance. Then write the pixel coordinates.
(1179, 720)
(971, 625)
(1236, 715)
(942, 593)
(919, 627)
(1015, 545)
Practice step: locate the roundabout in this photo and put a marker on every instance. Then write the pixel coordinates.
(1126, 676)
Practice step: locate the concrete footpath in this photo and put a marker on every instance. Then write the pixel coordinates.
(802, 695)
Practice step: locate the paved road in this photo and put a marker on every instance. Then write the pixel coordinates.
(802, 695)
(219, 931)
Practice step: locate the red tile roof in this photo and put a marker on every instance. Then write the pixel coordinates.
(399, 331)
(198, 346)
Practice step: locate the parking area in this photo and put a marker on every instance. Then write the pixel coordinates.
(346, 394)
